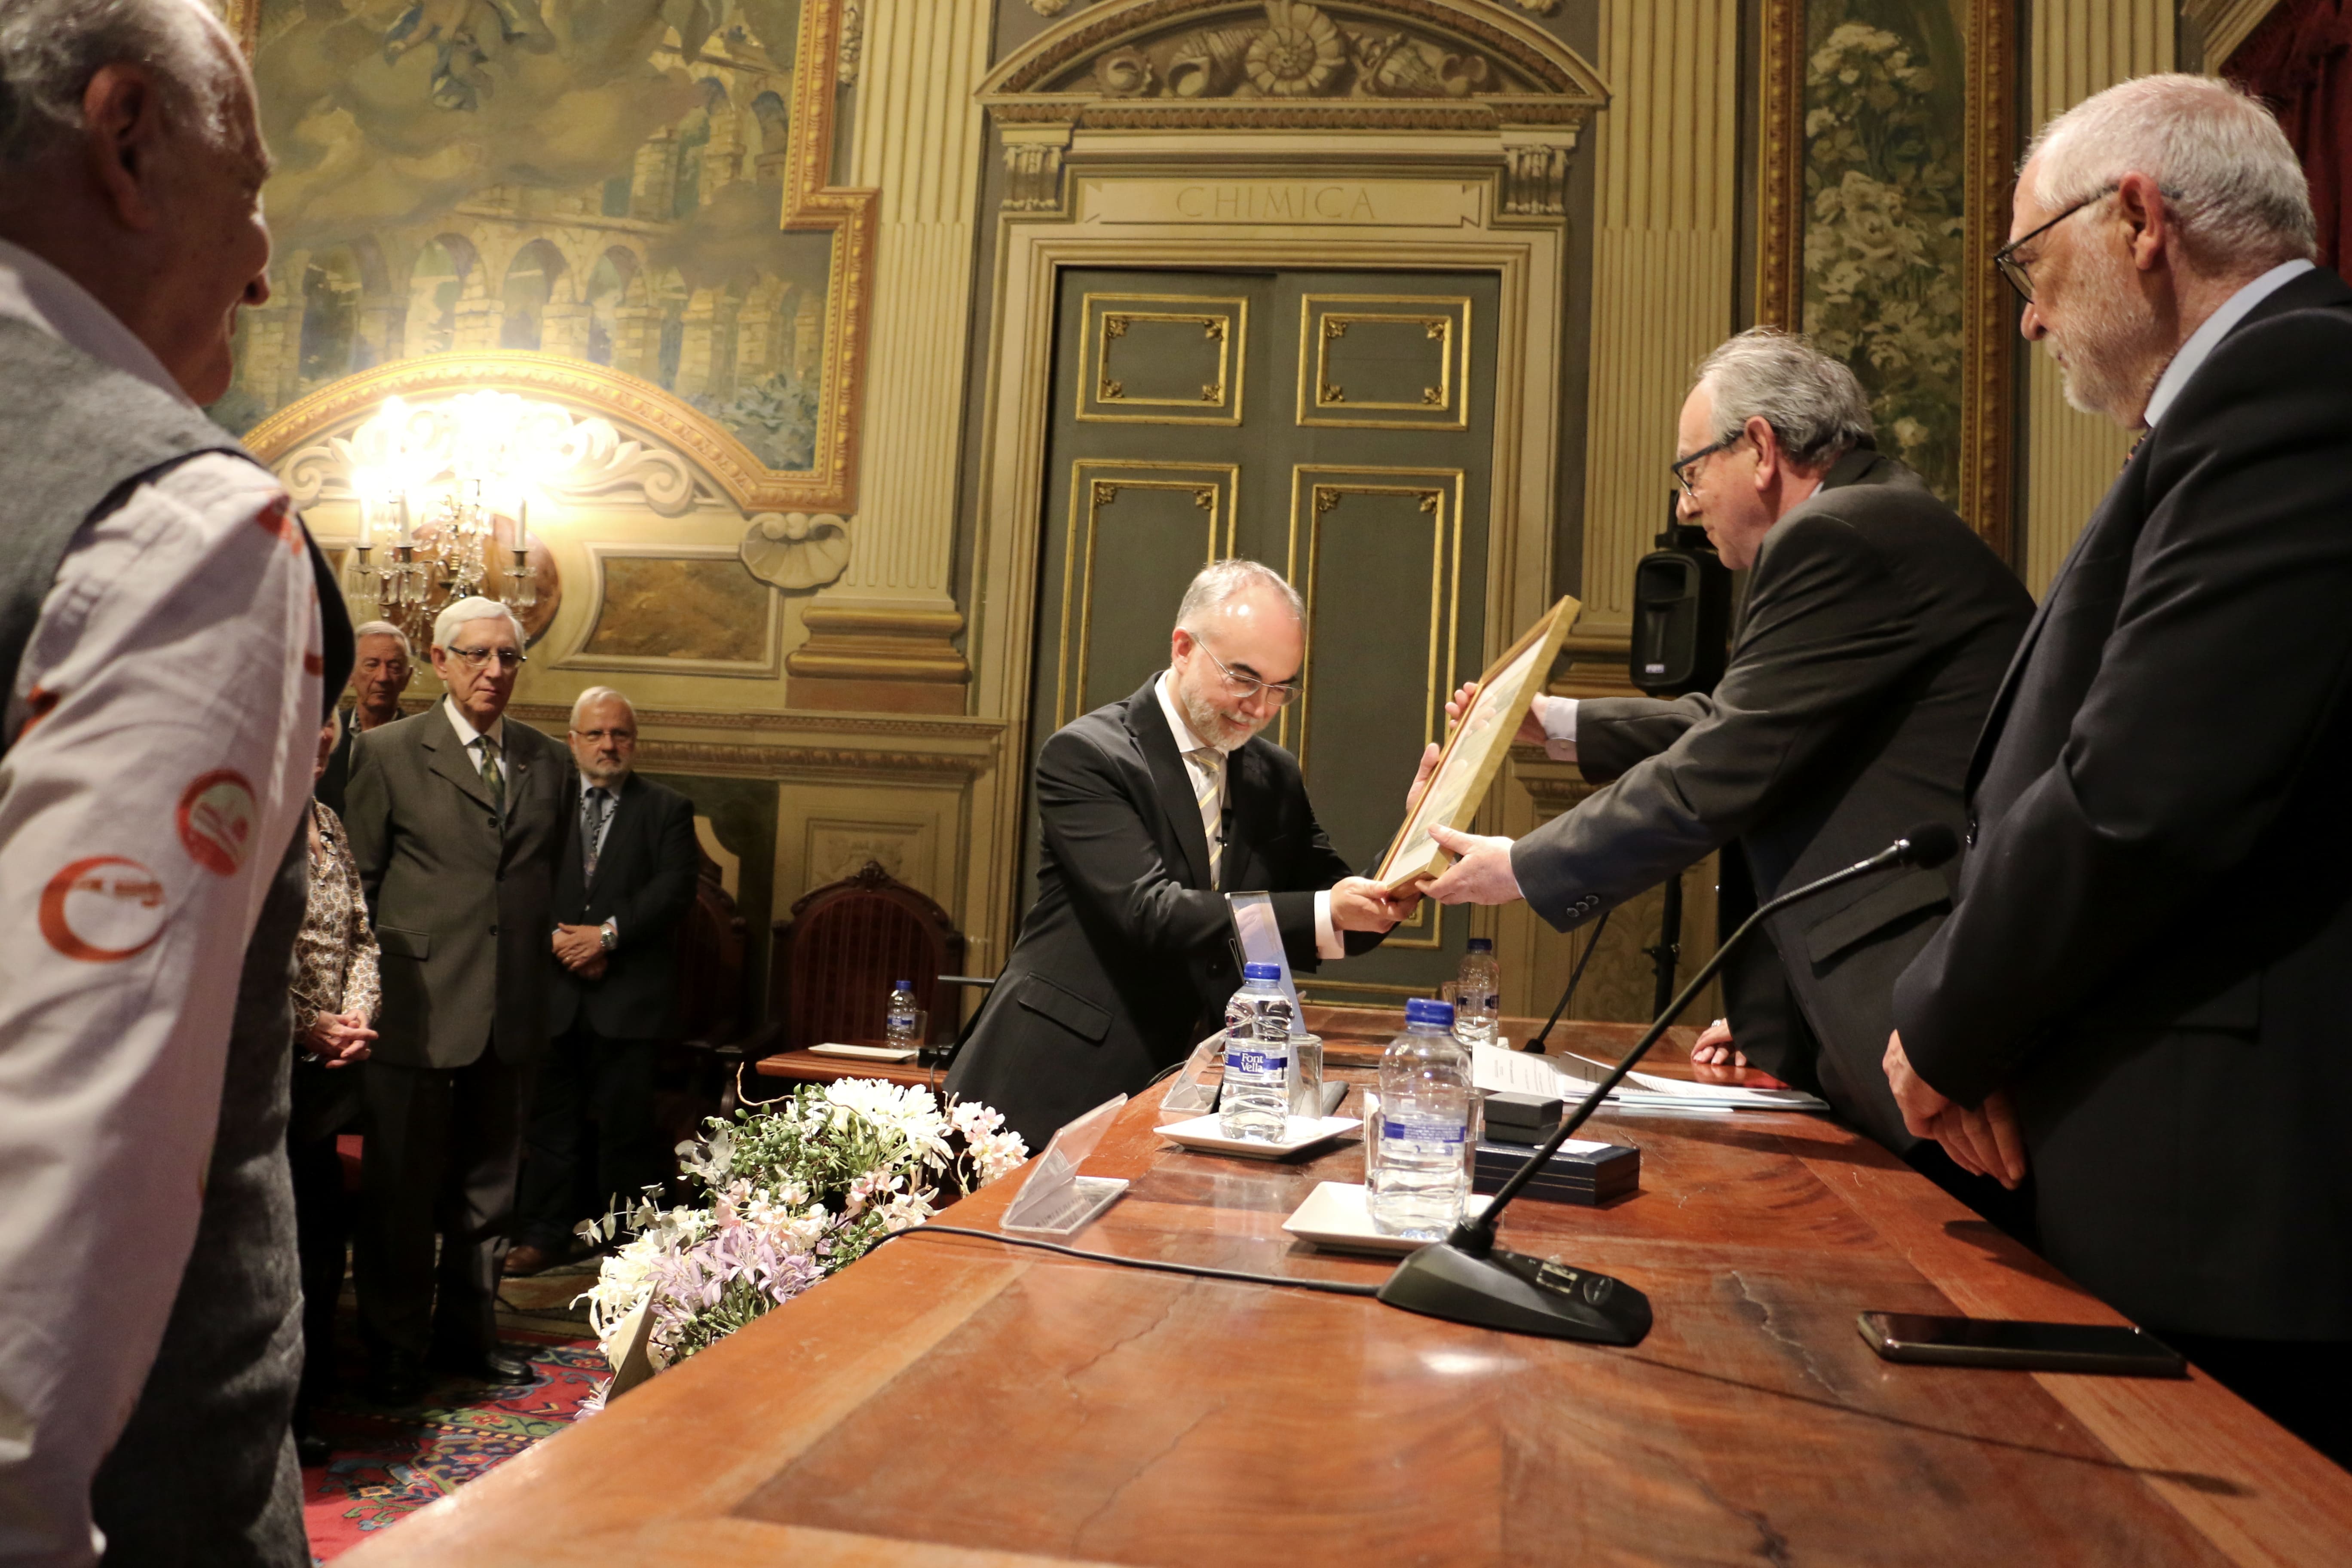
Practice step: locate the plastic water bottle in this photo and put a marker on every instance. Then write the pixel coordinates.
(1422, 1177)
(1255, 1100)
(1478, 994)
(902, 1025)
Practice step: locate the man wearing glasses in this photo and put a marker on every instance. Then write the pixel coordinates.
(455, 820)
(1153, 809)
(1874, 633)
(2151, 958)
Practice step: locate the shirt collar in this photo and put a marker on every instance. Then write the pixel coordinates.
(612, 791)
(1186, 742)
(467, 733)
(38, 294)
(2200, 343)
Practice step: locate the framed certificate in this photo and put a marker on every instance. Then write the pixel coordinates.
(1475, 751)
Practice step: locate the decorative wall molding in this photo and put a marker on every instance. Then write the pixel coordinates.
(2224, 25)
(1289, 64)
(794, 550)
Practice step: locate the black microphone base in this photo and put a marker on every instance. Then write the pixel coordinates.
(1519, 1295)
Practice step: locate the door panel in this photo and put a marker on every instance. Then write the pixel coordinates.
(1334, 426)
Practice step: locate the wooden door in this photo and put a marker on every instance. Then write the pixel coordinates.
(1336, 427)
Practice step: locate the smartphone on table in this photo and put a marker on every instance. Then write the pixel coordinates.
(2117, 1349)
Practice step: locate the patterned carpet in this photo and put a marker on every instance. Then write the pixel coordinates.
(389, 1462)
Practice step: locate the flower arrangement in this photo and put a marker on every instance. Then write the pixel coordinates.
(787, 1193)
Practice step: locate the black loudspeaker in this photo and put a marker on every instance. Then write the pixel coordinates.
(1682, 614)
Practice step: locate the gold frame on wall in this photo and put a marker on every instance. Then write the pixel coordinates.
(1096, 333)
(1318, 395)
(811, 203)
(1988, 149)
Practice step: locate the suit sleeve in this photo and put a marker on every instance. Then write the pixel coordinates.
(1093, 829)
(1612, 734)
(1828, 633)
(648, 911)
(2230, 652)
(367, 816)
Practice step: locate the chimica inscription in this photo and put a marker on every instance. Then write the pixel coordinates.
(1441, 203)
(1278, 204)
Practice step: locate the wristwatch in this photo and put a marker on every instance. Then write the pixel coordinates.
(608, 936)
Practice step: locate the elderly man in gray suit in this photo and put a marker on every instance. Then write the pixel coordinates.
(456, 819)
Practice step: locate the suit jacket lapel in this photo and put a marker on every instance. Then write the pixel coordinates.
(1169, 780)
(453, 761)
(1246, 800)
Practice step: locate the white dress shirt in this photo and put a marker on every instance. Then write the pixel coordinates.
(2203, 341)
(1558, 717)
(1329, 943)
(165, 716)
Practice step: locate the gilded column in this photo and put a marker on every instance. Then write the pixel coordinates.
(1662, 255)
(879, 639)
(2071, 458)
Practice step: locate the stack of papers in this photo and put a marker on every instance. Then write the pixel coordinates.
(1569, 1078)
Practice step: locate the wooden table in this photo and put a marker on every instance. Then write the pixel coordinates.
(949, 1401)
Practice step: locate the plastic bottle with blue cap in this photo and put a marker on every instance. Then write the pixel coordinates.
(1254, 1102)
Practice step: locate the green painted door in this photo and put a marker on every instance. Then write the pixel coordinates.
(1334, 425)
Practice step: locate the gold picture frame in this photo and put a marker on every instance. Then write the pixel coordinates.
(811, 202)
(1477, 747)
(1981, 482)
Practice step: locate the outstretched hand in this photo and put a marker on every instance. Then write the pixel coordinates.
(1531, 730)
(1481, 872)
(1359, 903)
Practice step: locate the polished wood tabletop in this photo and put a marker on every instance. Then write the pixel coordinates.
(954, 1401)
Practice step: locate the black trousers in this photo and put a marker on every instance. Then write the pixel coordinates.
(442, 1147)
(592, 1137)
(326, 1103)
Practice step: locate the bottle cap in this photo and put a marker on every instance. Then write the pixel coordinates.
(1429, 1013)
(904, 985)
(1481, 944)
(1261, 972)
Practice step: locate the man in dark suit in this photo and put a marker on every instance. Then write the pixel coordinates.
(386, 662)
(2142, 993)
(456, 819)
(1876, 627)
(619, 895)
(1153, 810)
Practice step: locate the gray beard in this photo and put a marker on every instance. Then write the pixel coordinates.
(1213, 727)
(2114, 353)
(613, 780)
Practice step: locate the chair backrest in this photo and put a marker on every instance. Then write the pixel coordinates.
(838, 951)
(707, 1003)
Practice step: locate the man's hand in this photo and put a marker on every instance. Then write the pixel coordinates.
(1359, 903)
(1714, 1046)
(339, 1040)
(579, 946)
(1531, 730)
(1481, 872)
(1985, 1142)
(1429, 755)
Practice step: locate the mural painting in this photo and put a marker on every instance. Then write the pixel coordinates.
(597, 180)
(704, 610)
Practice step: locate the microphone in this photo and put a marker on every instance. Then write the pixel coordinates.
(1467, 1278)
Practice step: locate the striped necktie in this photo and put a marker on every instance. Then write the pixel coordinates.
(1209, 795)
(494, 776)
(592, 809)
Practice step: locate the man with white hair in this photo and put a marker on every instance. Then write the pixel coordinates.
(620, 892)
(1153, 808)
(169, 642)
(456, 820)
(1874, 631)
(2141, 993)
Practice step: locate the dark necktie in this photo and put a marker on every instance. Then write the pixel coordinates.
(592, 808)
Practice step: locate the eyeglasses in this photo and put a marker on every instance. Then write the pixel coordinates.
(1684, 467)
(475, 658)
(2005, 261)
(1244, 686)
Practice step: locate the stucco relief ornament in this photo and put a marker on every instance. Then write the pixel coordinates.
(1298, 53)
(794, 550)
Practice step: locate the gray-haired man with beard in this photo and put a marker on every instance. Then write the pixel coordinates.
(2141, 993)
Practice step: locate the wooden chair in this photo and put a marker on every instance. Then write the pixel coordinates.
(837, 953)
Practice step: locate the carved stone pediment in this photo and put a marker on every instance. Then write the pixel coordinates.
(1303, 64)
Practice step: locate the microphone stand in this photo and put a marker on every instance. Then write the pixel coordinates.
(1467, 1278)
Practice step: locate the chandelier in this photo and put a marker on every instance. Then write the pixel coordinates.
(445, 490)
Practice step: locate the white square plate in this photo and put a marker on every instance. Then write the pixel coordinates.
(1204, 1134)
(1338, 1214)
